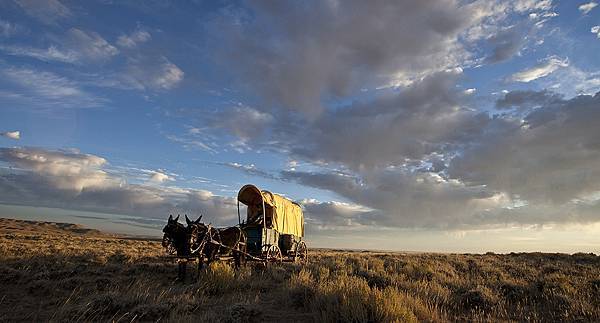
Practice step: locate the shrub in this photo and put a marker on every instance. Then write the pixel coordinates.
(350, 299)
(218, 279)
(478, 298)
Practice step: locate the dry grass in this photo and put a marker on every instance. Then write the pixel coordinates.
(65, 273)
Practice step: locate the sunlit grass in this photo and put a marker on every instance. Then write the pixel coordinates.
(66, 277)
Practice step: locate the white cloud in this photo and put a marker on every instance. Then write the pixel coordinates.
(587, 7)
(133, 39)
(398, 198)
(242, 121)
(596, 30)
(76, 47)
(168, 76)
(160, 177)
(548, 157)
(52, 53)
(527, 5)
(329, 215)
(47, 90)
(90, 45)
(572, 81)
(68, 170)
(541, 70)
(193, 143)
(11, 134)
(151, 73)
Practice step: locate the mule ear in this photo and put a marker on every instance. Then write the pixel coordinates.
(177, 218)
(187, 220)
(198, 219)
(170, 217)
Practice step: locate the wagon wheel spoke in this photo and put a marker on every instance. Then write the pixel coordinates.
(274, 255)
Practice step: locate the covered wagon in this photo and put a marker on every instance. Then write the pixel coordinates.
(274, 225)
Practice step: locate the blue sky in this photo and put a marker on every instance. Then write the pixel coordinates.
(432, 125)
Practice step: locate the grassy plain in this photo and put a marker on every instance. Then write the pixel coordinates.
(61, 272)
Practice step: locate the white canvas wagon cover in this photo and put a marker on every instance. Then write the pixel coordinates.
(286, 216)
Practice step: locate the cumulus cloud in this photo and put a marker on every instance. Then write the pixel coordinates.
(66, 170)
(540, 167)
(398, 198)
(297, 54)
(587, 7)
(11, 134)
(74, 180)
(548, 157)
(334, 214)
(596, 30)
(405, 124)
(160, 177)
(541, 70)
(480, 172)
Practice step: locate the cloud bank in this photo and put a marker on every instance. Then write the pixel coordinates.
(74, 180)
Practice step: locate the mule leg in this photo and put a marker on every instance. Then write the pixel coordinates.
(237, 258)
(182, 270)
(200, 265)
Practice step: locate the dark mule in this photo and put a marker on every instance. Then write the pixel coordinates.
(176, 240)
(209, 242)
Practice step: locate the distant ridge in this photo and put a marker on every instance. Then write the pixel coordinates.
(26, 226)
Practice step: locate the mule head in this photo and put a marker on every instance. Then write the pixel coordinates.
(175, 236)
(197, 233)
(190, 222)
(173, 225)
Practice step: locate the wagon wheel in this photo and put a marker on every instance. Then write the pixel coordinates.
(302, 252)
(274, 255)
(169, 245)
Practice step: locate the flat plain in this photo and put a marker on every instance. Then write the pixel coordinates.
(64, 272)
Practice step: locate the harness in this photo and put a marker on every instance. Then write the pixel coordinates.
(208, 238)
